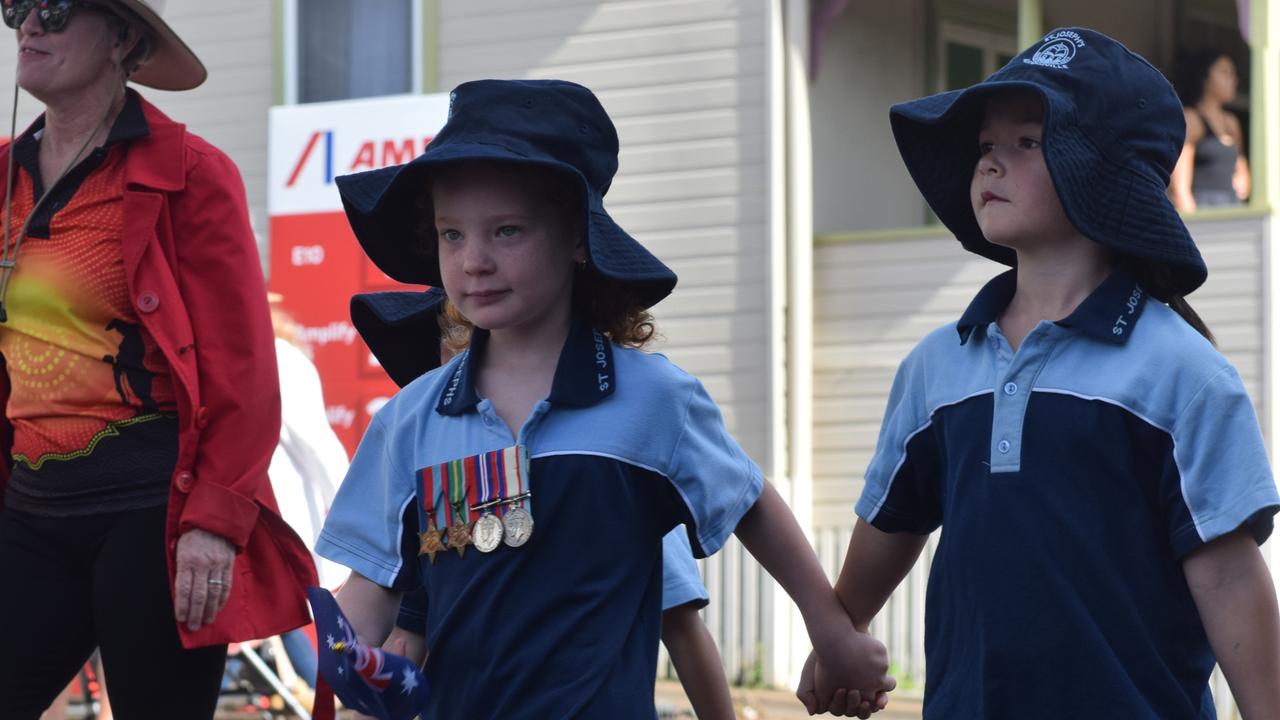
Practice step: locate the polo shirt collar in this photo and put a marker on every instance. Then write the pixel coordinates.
(1109, 313)
(585, 373)
(130, 124)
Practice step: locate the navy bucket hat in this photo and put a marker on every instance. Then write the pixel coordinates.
(401, 329)
(1113, 130)
(551, 124)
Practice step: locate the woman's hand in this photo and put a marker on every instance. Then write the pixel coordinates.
(202, 581)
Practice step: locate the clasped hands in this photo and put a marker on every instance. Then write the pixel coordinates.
(847, 674)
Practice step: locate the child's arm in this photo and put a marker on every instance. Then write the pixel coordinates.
(369, 607)
(848, 659)
(697, 663)
(873, 567)
(1233, 591)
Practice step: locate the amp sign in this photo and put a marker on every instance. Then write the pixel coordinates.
(316, 263)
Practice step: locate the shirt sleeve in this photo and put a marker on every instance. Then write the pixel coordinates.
(681, 582)
(1223, 477)
(372, 525)
(413, 611)
(716, 480)
(903, 481)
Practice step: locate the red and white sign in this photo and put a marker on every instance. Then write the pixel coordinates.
(316, 263)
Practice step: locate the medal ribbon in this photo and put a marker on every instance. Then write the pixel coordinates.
(516, 459)
(449, 490)
(488, 480)
(472, 481)
(457, 492)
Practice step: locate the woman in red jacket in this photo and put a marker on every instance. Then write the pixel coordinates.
(139, 384)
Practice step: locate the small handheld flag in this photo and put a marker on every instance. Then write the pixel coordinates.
(377, 683)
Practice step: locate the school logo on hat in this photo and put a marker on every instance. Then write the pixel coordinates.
(1058, 50)
(377, 683)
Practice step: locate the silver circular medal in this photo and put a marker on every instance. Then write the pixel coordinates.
(519, 526)
(487, 533)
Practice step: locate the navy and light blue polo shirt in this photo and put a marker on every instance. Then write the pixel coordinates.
(625, 447)
(1071, 479)
(681, 584)
(681, 581)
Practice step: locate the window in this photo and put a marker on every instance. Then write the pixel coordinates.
(343, 49)
(967, 55)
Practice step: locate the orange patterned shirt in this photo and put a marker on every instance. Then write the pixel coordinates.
(83, 371)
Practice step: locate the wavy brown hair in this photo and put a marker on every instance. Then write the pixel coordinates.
(612, 306)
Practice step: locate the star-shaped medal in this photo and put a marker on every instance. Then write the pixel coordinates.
(429, 543)
(459, 536)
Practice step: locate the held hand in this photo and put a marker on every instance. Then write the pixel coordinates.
(843, 702)
(857, 662)
(202, 581)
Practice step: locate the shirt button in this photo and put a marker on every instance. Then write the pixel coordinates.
(488, 421)
(1003, 446)
(148, 302)
(1010, 388)
(183, 480)
(202, 417)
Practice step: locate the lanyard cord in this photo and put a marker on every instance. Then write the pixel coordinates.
(9, 262)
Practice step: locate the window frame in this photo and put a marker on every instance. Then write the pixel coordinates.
(417, 41)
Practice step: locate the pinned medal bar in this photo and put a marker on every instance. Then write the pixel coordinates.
(480, 500)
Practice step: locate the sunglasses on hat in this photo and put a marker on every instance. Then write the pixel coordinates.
(52, 14)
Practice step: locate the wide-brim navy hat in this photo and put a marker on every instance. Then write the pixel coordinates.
(547, 123)
(1113, 130)
(401, 330)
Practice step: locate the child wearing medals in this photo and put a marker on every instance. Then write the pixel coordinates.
(585, 449)
(1094, 460)
(402, 329)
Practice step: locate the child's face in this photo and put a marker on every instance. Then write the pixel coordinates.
(1012, 193)
(506, 254)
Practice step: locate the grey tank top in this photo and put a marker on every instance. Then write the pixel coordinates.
(1215, 162)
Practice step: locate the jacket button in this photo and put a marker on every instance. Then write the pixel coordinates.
(148, 302)
(184, 479)
(202, 417)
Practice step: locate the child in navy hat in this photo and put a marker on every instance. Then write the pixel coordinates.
(1095, 462)
(410, 334)
(527, 483)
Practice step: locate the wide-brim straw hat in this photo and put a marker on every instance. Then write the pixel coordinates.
(172, 65)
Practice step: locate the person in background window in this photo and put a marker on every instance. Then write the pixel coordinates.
(1212, 170)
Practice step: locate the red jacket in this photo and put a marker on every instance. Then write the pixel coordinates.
(194, 278)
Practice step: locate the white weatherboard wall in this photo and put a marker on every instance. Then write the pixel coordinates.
(685, 82)
(234, 40)
(875, 300)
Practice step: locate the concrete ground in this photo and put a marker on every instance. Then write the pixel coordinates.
(772, 704)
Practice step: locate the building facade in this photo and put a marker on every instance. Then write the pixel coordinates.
(758, 162)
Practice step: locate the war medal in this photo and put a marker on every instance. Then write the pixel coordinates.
(429, 541)
(517, 521)
(460, 529)
(518, 526)
(487, 533)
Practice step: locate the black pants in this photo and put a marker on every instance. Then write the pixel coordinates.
(73, 584)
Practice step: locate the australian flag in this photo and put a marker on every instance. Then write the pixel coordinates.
(377, 683)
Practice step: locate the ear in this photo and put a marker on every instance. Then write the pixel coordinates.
(126, 40)
(580, 252)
